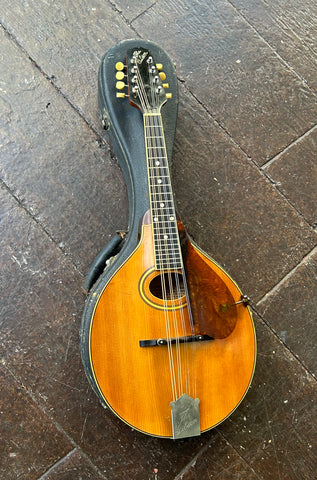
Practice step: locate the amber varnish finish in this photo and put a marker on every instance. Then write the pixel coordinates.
(136, 382)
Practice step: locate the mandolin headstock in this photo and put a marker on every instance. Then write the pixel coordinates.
(145, 78)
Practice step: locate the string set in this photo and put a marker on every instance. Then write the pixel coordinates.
(167, 248)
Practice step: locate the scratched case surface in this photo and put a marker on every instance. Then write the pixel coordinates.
(124, 125)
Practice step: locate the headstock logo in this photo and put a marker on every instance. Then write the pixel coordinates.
(139, 56)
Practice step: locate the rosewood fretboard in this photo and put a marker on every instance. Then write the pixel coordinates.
(165, 233)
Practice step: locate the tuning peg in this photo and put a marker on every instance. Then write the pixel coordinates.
(119, 66)
(159, 66)
(120, 95)
(162, 76)
(165, 85)
(168, 95)
(120, 85)
(120, 75)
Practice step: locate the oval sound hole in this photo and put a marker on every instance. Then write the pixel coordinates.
(167, 286)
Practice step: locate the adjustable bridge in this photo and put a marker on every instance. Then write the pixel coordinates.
(171, 341)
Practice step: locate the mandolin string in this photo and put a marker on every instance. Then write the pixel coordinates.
(159, 248)
(179, 293)
(164, 198)
(146, 109)
(158, 126)
(186, 350)
(172, 265)
(158, 200)
(159, 154)
(171, 269)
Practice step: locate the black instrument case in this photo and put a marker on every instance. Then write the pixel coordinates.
(124, 125)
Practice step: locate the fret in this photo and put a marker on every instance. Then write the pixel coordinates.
(165, 201)
(165, 233)
(169, 266)
(163, 226)
(159, 176)
(167, 254)
(165, 216)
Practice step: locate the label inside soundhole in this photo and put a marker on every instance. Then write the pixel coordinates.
(163, 290)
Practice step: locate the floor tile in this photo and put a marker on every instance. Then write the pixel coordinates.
(295, 174)
(234, 73)
(272, 429)
(290, 308)
(62, 196)
(131, 11)
(230, 208)
(73, 466)
(290, 31)
(43, 284)
(218, 461)
(30, 442)
(71, 186)
(67, 42)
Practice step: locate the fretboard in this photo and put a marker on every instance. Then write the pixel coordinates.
(165, 233)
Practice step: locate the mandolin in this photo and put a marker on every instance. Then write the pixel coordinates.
(167, 338)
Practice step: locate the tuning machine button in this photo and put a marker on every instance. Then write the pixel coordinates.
(120, 75)
(120, 85)
(162, 76)
(119, 66)
(168, 95)
(165, 85)
(121, 94)
(159, 66)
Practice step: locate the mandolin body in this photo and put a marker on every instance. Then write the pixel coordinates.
(126, 313)
(134, 381)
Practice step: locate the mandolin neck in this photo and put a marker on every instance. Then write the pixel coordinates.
(165, 233)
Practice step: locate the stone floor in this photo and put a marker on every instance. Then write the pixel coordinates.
(245, 180)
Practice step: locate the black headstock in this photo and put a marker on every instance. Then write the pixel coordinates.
(145, 79)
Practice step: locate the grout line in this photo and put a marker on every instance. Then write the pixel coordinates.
(203, 449)
(59, 90)
(222, 127)
(237, 452)
(287, 276)
(192, 461)
(41, 226)
(55, 423)
(287, 347)
(57, 464)
(288, 147)
(289, 67)
(142, 13)
(259, 169)
(51, 81)
(128, 23)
